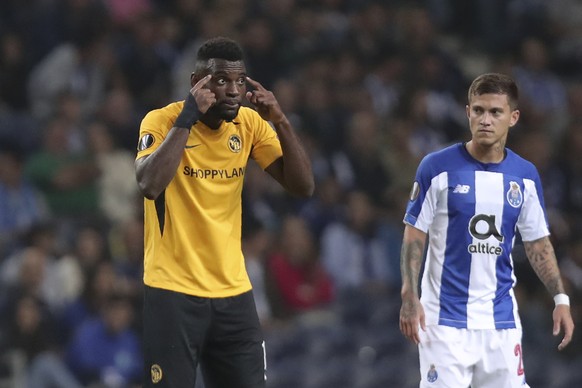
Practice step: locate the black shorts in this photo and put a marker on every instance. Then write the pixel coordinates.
(222, 335)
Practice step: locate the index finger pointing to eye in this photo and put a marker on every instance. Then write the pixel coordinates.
(202, 82)
(255, 84)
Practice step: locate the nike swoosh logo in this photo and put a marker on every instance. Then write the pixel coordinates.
(192, 146)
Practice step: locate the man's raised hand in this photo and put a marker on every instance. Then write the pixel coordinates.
(265, 102)
(199, 100)
(203, 96)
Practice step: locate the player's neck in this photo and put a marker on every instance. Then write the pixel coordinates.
(494, 153)
(211, 122)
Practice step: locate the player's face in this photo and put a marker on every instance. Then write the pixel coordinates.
(490, 118)
(229, 86)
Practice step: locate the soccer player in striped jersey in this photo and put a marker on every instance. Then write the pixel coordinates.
(190, 165)
(469, 201)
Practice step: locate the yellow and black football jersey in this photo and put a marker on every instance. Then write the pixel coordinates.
(193, 229)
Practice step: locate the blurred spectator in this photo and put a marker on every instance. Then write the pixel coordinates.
(124, 12)
(305, 42)
(32, 268)
(398, 153)
(142, 55)
(428, 60)
(384, 83)
(358, 165)
(482, 23)
(543, 96)
(256, 243)
(31, 331)
(120, 113)
(87, 248)
(262, 196)
(571, 267)
(21, 204)
(116, 184)
(289, 98)
(564, 25)
(99, 282)
(105, 350)
(79, 67)
(68, 112)
(321, 116)
(261, 51)
(300, 281)
(574, 101)
(13, 72)
(127, 249)
(348, 90)
(441, 84)
(67, 179)
(353, 252)
(536, 145)
(35, 276)
(325, 207)
(571, 163)
(374, 30)
(425, 134)
(188, 15)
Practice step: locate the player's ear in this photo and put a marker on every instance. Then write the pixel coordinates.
(514, 118)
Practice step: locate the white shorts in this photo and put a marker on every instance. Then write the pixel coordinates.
(459, 358)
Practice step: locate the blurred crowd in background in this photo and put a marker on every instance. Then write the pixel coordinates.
(371, 86)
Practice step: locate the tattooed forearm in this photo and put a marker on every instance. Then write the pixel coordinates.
(410, 262)
(542, 258)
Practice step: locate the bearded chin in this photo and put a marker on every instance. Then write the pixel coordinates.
(229, 116)
(222, 113)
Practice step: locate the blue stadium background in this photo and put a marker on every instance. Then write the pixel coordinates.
(370, 85)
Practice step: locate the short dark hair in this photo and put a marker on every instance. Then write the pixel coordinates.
(495, 83)
(220, 48)
(216, 48)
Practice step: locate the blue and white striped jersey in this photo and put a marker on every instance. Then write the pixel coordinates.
(472, 212)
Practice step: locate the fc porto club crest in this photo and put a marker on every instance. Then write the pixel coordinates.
(514, 195)
(432, 375)
(234, 143)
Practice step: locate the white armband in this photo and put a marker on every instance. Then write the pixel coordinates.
(562, 299)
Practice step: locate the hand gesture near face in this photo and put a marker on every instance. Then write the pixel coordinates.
(265, 102)
(199, 100)
(204, 97)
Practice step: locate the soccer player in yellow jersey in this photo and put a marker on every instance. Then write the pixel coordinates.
(190, 165)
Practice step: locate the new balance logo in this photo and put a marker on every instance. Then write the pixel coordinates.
(462, 189)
